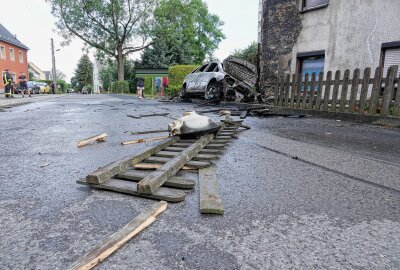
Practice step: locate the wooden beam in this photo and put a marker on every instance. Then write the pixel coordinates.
(174, 182)
(149, 132)
(155, 166)
(151, 183)
(163, 160)
(200, 157)
(118, 239)
(144, 140)
(105, 173)
(204, 151)
(210, 197)
(97, 138)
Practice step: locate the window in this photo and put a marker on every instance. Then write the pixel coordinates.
(309, 63)
(12, 56)
(314, 4)
(21, 57)
(211, 67)
(390, 56)
(203, 68)
(2, 52)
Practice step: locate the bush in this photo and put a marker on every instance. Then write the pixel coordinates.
(177, 75)
(120, 87)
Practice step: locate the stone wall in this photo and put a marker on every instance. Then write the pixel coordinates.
(280, 28)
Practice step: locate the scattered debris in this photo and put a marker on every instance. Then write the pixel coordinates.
(147, 115)
(144, 140)
(210, 197)
(149, 132)
(118, 239)
(98, 138)
(45, 165)
(193, 125)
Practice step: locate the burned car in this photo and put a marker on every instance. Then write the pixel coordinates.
(225, 80)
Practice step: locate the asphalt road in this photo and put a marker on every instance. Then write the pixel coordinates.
(298, 193)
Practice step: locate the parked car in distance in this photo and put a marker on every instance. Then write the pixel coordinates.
(44, 88)
(33, 87)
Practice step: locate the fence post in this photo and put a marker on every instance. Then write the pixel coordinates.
(396, 111)
(293, 90)
(312, 91)
(354, 90)
(345, 87)
(319, 94)
(375, 90)
(298, 90)
(364, 89)
(276, 91)
(305, 91)
(287, 88)
(335, 91)
(327, 90)
(389, 88)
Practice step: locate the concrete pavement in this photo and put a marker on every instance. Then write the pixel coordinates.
(19, 100)
(298, 193)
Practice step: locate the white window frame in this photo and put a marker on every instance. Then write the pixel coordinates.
(12, 55)
(2, 52)
(21, 57)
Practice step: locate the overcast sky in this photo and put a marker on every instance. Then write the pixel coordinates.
(33, 24)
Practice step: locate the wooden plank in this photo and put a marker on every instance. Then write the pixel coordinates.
(199, 157)
(149, 132)
(312, 91)
(345, 88)
(396, 109)
(204, 151)
(354, 90)
(389, 89)
(376, 87)
(335, 91)
(327, 92)
(298, 91)
(97, 138)
(144, 140)
(281, 90)
(305, 91)
(118, 239)
(155, 166)
(292, 91)
(287, 88)
(276, 90)
(209, 146)
(210, 197)
(319, 91)
(130, 188)
(151, 183)
(174, 182)
(162, 160)
(105, 173)
(364, 89)
(147, 115)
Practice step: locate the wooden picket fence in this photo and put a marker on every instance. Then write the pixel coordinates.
(374, 96)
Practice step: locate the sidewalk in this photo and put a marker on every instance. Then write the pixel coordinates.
(19, 100)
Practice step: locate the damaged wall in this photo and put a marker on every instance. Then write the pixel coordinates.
(280, 27)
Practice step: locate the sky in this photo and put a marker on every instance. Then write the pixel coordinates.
(33, 23)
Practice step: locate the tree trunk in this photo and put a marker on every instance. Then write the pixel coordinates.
(120, 61)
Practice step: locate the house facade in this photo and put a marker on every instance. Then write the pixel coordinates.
(36, 72)
(306, 36)
(13, 55)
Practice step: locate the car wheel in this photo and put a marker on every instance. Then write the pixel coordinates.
(183, 95)
(212, 91)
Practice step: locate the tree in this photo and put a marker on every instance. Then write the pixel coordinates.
(117, 28)
(250, 53)
(184, 33)
(60, 75)
(83, 72)
(109, 74)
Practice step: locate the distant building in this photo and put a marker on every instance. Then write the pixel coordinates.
(306, 36)
(97, 86)
(13, 55)
(49, 75)
(36, 72)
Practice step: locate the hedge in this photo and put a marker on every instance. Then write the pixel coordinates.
(177, 75)
(120, 87)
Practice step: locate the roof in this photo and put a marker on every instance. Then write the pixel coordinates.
(6, 36)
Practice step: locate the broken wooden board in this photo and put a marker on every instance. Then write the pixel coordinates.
(163, 160)
(210, 197)
(147, 115)
(209, 146)
(148, 132)
(151, 183)
(155, 166)
(118, 239)
(204, 151)
(144, 140)
(130, 188)
(97, 138)
(105, 173)
(198, 157)
(174, 182)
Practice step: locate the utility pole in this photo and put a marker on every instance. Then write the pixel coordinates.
(54, 72)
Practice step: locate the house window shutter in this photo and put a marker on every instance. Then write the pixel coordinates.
(392, 57)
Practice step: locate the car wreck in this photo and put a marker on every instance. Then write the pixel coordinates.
(232, 80)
